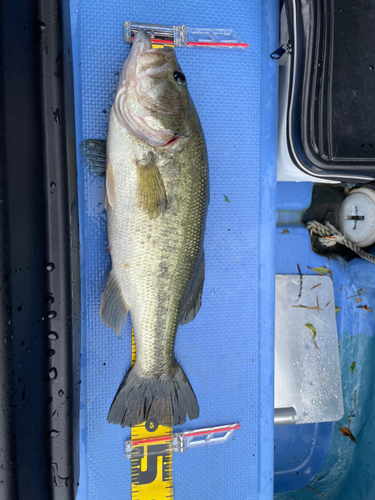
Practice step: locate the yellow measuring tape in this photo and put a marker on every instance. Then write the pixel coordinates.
(151, 466)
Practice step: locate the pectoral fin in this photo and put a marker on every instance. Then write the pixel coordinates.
(151, 194)
(193, 298)
(94, 152)
(113, 309)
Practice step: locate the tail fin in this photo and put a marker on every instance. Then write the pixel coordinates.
(139, 398)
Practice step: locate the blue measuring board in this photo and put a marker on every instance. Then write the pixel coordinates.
(227, 351)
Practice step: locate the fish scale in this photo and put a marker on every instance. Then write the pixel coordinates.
(154, 297)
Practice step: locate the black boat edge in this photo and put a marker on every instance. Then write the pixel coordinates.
(39, 254)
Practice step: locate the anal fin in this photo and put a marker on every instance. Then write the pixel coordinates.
(113, 309)
(151, 194)
(193, 298)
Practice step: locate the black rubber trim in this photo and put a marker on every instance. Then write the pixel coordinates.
(313, 109)
(39, 254)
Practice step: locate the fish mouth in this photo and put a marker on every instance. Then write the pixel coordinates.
(142, 42)
(143, 46)
(161, 51)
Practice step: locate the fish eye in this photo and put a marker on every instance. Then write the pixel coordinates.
(179, 77)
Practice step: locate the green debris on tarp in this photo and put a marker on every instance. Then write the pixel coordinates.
(226, 198)
(352, 366)
(312, 328)
(320, 270)
(337, 309)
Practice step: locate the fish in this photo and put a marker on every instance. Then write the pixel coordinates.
(156, 198)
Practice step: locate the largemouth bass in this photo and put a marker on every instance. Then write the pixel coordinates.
(156, 202)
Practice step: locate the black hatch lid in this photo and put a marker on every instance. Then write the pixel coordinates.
(331, 109)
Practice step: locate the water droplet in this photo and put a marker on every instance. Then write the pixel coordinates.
(20, 308)
(49, 400)
(52, 314)
(52, 374)
(341, 10)
(50, 299)
(58, 480)
(371, 67)
(54, 433)
(61, 392)
(56, 115)
(50, 352)
(53, 336)
(50, 266)
(53, 184)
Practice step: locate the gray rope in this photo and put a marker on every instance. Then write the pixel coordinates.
(329, 236)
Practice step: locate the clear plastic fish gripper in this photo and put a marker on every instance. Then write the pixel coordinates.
(183, 36)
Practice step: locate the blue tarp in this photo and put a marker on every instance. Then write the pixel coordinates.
(227, 352)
